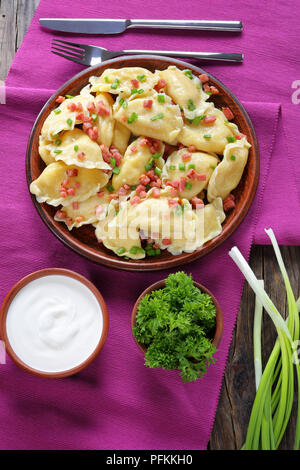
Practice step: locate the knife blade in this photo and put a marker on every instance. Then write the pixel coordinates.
(110, 26)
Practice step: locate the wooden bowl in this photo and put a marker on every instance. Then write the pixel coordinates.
(83, 240)
(160, 285)
(13, 292)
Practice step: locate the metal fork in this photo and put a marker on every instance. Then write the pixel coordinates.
(93, 55)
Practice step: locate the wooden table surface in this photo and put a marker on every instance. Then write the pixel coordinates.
(238, 388)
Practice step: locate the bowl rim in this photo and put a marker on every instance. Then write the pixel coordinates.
(159, 285)
(22, 283)
(156, 264)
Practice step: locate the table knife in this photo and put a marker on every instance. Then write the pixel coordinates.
(107, 26)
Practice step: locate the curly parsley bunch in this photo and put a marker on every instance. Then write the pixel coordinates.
(177, 324)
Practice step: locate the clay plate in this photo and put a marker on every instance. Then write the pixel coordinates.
(160, 285)
(83, 240)
(9, 298)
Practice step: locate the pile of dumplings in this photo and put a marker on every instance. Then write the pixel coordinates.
(145, 158)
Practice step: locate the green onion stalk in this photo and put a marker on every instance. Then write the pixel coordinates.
(273, 402)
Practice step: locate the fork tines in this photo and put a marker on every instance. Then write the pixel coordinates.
(68, 50)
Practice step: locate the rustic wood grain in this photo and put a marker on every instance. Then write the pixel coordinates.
(238, 385)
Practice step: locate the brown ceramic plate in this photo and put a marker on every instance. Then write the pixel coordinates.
(83, 240)
(160, 285)
(13, 292)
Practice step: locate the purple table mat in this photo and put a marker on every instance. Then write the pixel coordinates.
(117, 403)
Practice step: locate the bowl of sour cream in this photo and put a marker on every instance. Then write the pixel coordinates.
(53, 322)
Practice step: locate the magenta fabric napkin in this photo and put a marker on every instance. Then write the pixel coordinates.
(116, 402)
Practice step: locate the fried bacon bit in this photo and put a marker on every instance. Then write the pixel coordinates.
(100, 194)
(156, 193)
(172, 202)
(145, 142)
(133, 149)
(60, 99)
(140, 188)
(71, 192)
(192, 148)
(155, 245)
(228, 203)
(126, 186)
(77, 184)
(175, 184)
(60, 214)
(135, 200)
(122, 191)
(69, 221)
(239, 136)
(106, 155)
(173, 191)
(143, 194)
(86, 126)
(91, 107)
(214, 90)
(79, 107)
(186, 157)
(201, 176)
(160, 85)
(156, 184)
(80, 156)
(65, 182)
(99, 210)
(72, 107)
(191, 174)
(166, 241)
(102, 109)
(75, 205)
(182, 183)
(144, 179)
(124, 118)
(63, 192)
(73, 172)
(228, 113)
(206, 87)
(93, 133)
(209, 119)
(116, 154)
(135, 83)
(151, 175)
(203, 77)
(78, 219)
(112, 196)
(148, 104)
(197, 203)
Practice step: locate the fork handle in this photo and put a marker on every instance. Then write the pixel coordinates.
(229, 57)
(208, 25)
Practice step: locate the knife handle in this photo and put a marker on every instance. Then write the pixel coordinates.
(225, 56)
(201, 25)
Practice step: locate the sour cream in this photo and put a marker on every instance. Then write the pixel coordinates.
(54, 323)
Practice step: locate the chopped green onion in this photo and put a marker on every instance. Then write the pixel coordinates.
(94, 116)
(197, 119)
(157, 116)
(122, 250)
(70, 122)
(151, 252)
(134, 249)
(123, 103)
(57, 110)
(212, 167)
(160, 98)
(135, 90)
(191, 105)
(126, 257)
(76, 148)
(207, 136)
(133, 187)
(231, 138)
(157, 251)
(156, 155)
(148, 187)
(116, 170)
(232, 157)
(157, 171)
(110, 188)
(69, 97)
(226, 121)
(142, 77)
(115, 85)
(188, 185)
(57, 151)
(189, 74)
(181, 166)
(58, 142)
(132, 118)
(106, 79)
(178, 209)
(192, 166)
(149, 165)
(198, 86)
(112, 161)
(208, 92)
(172, 167)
